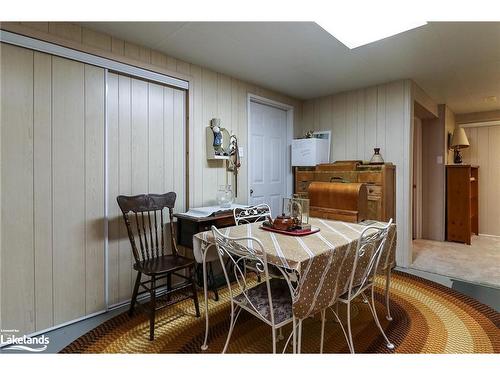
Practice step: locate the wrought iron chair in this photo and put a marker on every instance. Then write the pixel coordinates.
(386, 266)
(364, 268)
(253, 214)
(270, 301)
(144, 219)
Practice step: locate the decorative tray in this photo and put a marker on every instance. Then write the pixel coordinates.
(296, 232)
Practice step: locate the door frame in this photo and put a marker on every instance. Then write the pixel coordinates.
(289, 136)
(417, 191)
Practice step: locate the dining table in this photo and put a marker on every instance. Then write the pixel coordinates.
(319, 264)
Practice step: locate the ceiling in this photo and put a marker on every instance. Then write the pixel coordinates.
(456, 63)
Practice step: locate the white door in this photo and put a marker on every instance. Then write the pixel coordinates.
(267, 156)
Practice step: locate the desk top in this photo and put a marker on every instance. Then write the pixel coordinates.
(200, 214)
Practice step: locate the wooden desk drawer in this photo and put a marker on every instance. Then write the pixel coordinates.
(302, 186)
(337, 176)
(375, 190)
(373, 177)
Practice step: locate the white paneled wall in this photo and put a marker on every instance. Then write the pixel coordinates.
(52, 152)
(52, 184)
(146, 148)
(212, 95)
(360, 120)
(484, 151)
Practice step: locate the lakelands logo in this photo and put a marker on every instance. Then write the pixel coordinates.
(9, 341)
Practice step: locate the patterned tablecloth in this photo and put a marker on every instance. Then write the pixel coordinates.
(323, 261)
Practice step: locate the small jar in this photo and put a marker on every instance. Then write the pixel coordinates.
(225, 197)
(376, 158)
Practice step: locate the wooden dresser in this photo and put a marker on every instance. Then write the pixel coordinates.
(462, 204)
(380, 181)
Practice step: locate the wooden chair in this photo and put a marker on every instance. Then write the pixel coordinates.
(144, 218)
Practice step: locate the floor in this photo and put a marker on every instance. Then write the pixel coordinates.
(61, 337)
(477, 263)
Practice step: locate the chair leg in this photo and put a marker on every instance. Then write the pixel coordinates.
(322, 330)
(274, 339)
(349, 330)
(152, 310)
(134, 294)
(195, 296)
(280, 334)
(389, 344)
(231, 326)
(387, 293)
(299, 337)
(212, 282)
(169, 285)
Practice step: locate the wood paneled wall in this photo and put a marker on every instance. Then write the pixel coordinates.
(360, 120)
(52, 156)
(484, 151)
(433, 176)
(146, 144)
(52, 183)
(213, 95)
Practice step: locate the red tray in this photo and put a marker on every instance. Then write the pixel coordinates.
(296, 233)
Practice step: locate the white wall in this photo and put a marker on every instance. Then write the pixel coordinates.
(484, 151)
(378, 116)
(33, 296)
(213, 95)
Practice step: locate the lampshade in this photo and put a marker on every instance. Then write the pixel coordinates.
(459, 139)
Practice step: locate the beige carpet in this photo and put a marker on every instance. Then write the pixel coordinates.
(479, 262)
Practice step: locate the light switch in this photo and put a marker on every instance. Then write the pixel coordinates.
(439, 159)
(240, 152)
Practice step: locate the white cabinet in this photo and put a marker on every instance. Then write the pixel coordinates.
(310, 152)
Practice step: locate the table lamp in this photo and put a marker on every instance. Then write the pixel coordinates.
(458, 141)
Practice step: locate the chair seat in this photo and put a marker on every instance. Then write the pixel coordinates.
(163, 264)
(354, 292)
(282, 300)
(274, 272)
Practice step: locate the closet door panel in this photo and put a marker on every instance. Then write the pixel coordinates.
(146, 154)
(17, 254)
(179, 172)
(168, 124)
(140, 147)
(114, 215)
(68, 143)
(124, 162)
(94, 189)
(42, 189)
(156, 145)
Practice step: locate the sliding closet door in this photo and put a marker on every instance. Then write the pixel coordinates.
(16, 241)
(52, 181)
(78, 186)
(52, 190)
(146, 154)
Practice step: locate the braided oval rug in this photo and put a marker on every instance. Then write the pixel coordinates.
(427, 318)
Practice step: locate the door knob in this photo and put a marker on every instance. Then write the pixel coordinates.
(251, 191)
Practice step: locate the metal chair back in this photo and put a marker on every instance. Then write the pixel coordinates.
(252, 214)
(367, 257)
(239, 251)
